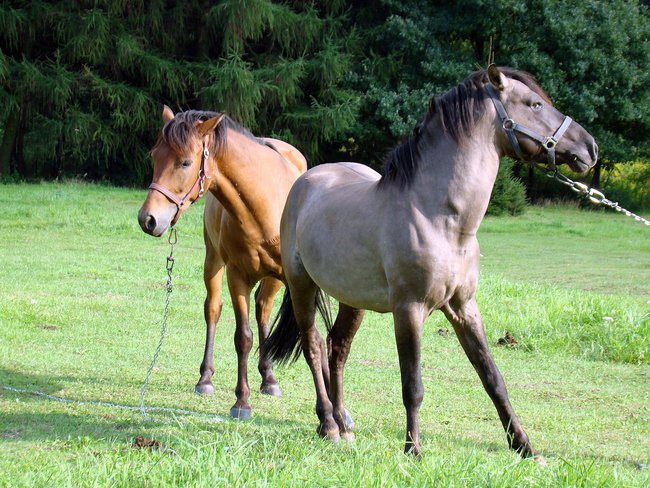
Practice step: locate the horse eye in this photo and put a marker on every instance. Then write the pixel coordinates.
(186, 164)
(537, 106)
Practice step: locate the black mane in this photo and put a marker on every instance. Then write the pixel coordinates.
(458, 111)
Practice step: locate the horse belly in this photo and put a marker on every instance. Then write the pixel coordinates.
(352, 281)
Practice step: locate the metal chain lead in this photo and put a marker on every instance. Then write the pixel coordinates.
(594, 195)
(173, 239)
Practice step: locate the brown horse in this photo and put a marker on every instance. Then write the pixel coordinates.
(406, 242)
(246, 180)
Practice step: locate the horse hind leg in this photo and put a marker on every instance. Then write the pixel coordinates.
(313, 345)
(213, 276)
(467, 322)
(340, 339)
(264, 296)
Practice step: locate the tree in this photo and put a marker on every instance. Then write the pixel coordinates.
(82, 82)
(402, 64)
(590, 55)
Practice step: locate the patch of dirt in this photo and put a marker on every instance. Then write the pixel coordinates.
(10, 434)
(141, 442)
(507, 340)
(48, 327)
(151, 444)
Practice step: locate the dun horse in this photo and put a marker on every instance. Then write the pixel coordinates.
(406, 242)
(246, 180)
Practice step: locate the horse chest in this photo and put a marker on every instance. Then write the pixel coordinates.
(432, 273)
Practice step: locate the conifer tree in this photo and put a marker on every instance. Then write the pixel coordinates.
(82, 82)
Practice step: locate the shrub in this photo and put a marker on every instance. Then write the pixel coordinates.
(509, 193)
(628, 184)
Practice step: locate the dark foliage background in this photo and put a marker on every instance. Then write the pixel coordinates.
(82, 83)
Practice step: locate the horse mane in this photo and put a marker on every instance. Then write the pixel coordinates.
(178, 132)
(458, 111)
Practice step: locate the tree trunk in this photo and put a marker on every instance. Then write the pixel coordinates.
(530, 185)
(8, 141)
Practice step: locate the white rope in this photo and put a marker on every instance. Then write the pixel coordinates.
(212, 417)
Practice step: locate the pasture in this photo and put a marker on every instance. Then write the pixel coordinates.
(81, 302)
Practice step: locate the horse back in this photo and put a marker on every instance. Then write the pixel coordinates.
(289, 153)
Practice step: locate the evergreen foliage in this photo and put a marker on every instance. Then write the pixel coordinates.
(82, 82)
(509, 193)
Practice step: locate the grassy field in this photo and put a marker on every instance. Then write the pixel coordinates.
(81, 301)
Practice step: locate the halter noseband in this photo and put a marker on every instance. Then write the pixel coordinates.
(200, 183)
(510, 127)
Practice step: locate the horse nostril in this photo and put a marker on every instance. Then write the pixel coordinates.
(594, 151)
(150, 223)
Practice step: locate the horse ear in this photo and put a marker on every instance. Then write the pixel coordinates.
(498, 80)
(209, 125)
(167, 114)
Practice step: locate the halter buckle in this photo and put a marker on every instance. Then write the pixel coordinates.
(201, 184)
(550, 142)
(508, 124)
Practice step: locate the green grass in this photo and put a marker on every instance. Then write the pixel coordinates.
(81, 302)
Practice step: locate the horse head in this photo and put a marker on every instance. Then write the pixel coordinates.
(181, 169)
(531, 129)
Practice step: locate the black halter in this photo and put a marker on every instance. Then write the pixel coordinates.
(510, 127)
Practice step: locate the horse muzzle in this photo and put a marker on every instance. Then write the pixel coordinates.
(584, 158)
(156, 223)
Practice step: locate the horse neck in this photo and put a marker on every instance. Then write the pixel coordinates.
(241, 181)
(456, 179)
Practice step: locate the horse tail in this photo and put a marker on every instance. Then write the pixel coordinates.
(283, 344)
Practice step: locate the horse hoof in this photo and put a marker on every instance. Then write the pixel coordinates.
(413, 450)
(271, 389)
(240, 413)
(349, 422)
(347, 436)
(204, 389)
(331, 434)
(540, 461)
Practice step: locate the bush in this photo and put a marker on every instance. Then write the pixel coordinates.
(509, 193)
(628, 184)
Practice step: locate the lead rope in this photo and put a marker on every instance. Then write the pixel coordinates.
(594, 195)
(172, 239)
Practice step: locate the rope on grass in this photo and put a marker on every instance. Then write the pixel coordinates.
(215, 418)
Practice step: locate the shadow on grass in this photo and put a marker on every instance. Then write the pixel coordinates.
(42, 382)
(59, 426)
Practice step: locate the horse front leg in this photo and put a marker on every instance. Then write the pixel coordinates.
(468, 324)
(264, 296)
(340, 339)
(212, 276)
(408, 320)
(240, 292)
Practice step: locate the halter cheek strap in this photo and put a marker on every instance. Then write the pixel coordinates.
(181, 203)
(511, 128)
